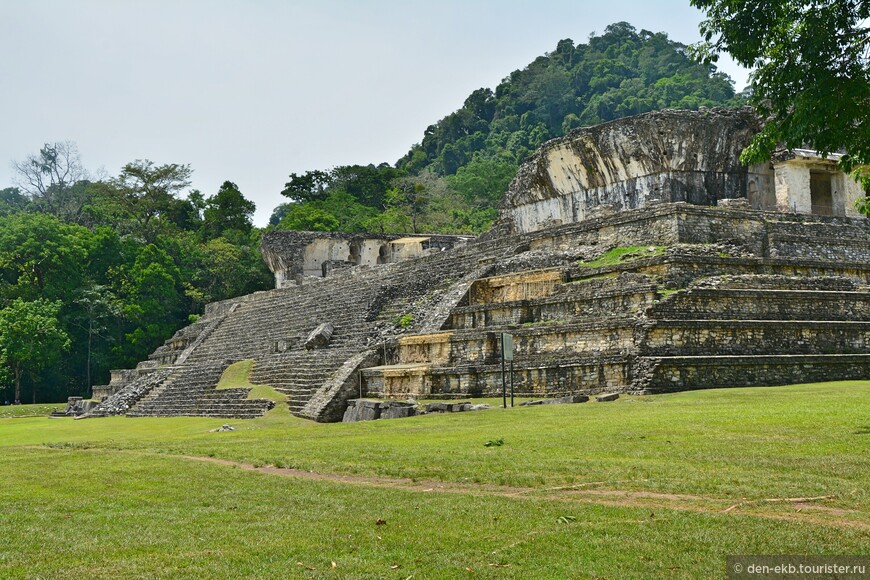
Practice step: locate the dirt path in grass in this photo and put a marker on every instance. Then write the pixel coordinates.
(796, 509)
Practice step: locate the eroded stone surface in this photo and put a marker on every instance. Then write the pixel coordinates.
(320, 336)
(666, 156)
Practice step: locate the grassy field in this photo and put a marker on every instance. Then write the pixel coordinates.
(41, 410)
(644, 486)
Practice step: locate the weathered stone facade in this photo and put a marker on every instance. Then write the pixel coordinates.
(710, 294)
(669, 156)
(298, 257)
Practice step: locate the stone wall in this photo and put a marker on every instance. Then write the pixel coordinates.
(294, 257)
(666, 156)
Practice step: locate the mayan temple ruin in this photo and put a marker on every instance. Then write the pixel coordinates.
(636, 256)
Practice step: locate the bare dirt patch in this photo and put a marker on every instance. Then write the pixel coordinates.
(801, 509)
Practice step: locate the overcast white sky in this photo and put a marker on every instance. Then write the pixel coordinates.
(251, 91)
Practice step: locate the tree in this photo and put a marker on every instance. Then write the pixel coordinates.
(49, 176)
(97, 306)
(227, 210)
(305, 217)
(226, 270)
(31, 338)
(40, 256)
(483, 181)
(811, 82)
(309, 186)
(409, 198)
(12, 201)
(146, 191)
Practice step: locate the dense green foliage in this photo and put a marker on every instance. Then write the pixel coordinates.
(454, 179)
(812, 72)
(115, 266)
(30, 338)
(644, 487)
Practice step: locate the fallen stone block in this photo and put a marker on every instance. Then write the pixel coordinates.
(607, 397)
(458, 407)
(436, 408)
(398, 412)
(530, 403)
(361, 410)
(570, 399)
(320, 336)
(351, 413)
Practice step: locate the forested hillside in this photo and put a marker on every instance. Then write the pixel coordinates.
(454, 178)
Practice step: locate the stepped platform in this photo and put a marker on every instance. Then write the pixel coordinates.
(534, 376)
(764, 304)
(730, 297)
(680, 373)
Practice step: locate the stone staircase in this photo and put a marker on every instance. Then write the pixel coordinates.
(299, 375)
(190, 390)
(363, 304)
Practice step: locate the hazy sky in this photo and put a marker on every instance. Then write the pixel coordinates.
(251, 91)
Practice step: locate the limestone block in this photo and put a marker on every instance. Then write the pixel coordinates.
(570, 399)
(362, 410)
(397, 410)
(351, 414)
(607, 397)
(320, 336)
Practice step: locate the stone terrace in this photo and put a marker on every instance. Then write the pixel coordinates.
(735, 297)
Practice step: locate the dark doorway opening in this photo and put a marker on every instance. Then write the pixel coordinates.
(821, 197)
(355, 256)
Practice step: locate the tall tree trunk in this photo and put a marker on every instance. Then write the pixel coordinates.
(17, 384)
(90, 338)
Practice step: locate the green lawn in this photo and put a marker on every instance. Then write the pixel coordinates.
(644, 486)
(41, 410)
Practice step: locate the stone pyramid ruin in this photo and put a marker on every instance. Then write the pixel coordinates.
(636, 256)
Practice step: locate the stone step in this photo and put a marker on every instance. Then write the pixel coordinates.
(679, 271)
(763, 304)
(483, 346)
(625, 296)
(663, 374)
(536, 376)
(738, 337)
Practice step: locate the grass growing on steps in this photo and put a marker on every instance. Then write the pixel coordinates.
(623, 254)
(238, 375)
